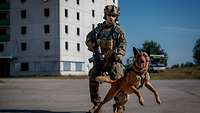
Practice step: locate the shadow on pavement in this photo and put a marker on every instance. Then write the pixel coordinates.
(35, 111)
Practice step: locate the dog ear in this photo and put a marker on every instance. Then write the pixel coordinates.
(135, 51)
(139, 50)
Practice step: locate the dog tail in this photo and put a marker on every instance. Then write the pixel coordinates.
(104, 79)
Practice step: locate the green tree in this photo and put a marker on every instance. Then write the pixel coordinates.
(196, 52)
(152, 47)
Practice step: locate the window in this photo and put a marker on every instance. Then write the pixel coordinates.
(66, 66)
(23, 14)
(78, 16)
(93, 26)
(23, 46)
(93, 14)
(78, 66)
(78, 31)
(3, 15)
(66, 29)
(46, 12)
(1, 47)
(24, 66)
(46, 28)
(77, 2)
(45, 1)
(78, 46)
(92, 1)
(66, 46)
(3, 1)
(23, 30)
(47, 45)
(66, 12)
(23, 1)
(3, 31)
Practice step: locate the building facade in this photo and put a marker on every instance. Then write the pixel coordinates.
(47, 37)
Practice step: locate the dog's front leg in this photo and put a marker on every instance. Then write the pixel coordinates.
(141, 99)
(151, 88)
(111, 93)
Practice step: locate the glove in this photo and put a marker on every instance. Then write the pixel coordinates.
(90, 46)
(118, 58)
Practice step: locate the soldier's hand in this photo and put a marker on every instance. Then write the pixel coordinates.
(90, 46)
(118, 58)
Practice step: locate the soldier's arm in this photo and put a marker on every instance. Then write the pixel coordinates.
(121, 45)
(88, 41)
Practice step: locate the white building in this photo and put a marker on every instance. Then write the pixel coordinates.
(47, 37)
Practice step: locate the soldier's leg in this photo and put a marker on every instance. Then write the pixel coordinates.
(94, 92)
(120, 100)
(117, 72)
(94, 87)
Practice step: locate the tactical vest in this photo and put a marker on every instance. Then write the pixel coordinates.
(108, 37)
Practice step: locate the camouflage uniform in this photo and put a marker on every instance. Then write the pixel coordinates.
(112, 43)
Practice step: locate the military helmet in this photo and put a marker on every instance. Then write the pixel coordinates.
(111, 10)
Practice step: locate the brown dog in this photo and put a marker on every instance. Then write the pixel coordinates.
(134, 77)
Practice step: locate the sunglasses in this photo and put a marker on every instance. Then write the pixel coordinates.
(112, 15)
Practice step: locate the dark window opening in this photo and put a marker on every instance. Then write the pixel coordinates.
(66, 12)
(3, 31)
(23, 14)
(23, 30)
(66, 46)
(23, 1)
(78, 31)
(46, 12)
(1, 47)
(46, 29)
(77, 2)
(78, 47)
(78, 16)
(47, 45)
(93, 14)
(24, 67)
(66, 29)
(23, 46)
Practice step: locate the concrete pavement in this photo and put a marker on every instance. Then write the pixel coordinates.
(72, 96)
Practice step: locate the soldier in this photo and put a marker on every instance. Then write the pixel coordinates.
(107, 42)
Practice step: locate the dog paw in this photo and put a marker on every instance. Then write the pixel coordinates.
(141, 101)
(158, 100)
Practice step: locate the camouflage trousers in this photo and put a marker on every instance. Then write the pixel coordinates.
(115, 72)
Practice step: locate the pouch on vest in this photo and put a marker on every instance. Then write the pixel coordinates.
(106, 43)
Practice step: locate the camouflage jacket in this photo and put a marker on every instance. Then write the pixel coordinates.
(112, 39)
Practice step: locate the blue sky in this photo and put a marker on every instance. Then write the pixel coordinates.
(174, 24)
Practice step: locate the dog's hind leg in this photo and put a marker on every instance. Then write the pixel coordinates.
(151, 88)
(111, 93)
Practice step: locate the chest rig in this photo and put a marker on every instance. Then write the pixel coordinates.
(108, 37)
